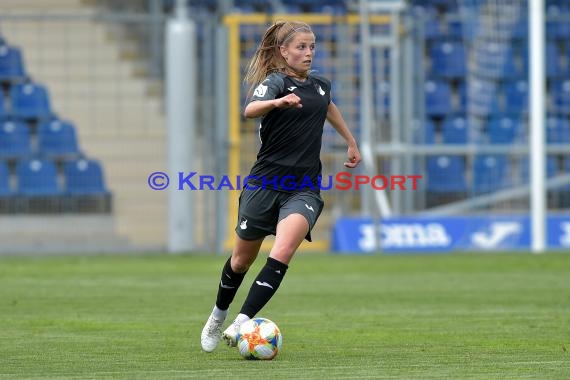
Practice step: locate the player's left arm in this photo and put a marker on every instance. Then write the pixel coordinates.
(334, 117)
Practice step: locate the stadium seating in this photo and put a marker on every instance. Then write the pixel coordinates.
(504, 129)
(557, 130)
(446, 174)
(561, 96)
(481, 97)
(455, 130)
(30, 101)
(490, 173)
(31, 138)
(446, 181)
(516, 96)
(448, 60)
(37, 177)
(495, 61)
(11, 64)
(57, 138)
(557, 27)
(85, 187)
(5, 188)
(3, 113)
(83, 177)
(15, 139)
(458, 30)
(438, 98)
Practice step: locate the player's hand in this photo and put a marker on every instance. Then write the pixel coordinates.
(289, 101)
(354, 157)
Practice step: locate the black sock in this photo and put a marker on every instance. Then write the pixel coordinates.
(228, 286)
(264, 287)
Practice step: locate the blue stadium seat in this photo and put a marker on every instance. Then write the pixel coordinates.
(557, 130)
(30, 101)
(427, 15)
(5, 188)
(84, 177)
(57, 138)
(482, 98)
(495, 60)
(557, 25)
(504, 129)
(490, 173)
(432, 28)
(11, 64)
(448, 60)
(561, 96)
(15, 139)
(520, 28)
(437, 98)
(516, 96)
(2, 105)
(446, 173)
(37, 177)
(455, 130)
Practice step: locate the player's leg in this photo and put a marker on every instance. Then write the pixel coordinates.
(234, 270)
(254, 216)
(243, 255)
(297, 217)
(290, 233)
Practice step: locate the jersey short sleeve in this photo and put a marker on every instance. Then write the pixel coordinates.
(269, 89)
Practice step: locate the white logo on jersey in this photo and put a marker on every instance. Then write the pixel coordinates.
(260, 91)
(292, 88)
(321, 91)
(243, 224)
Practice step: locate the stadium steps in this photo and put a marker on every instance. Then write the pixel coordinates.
(25, 234)
(118, 113)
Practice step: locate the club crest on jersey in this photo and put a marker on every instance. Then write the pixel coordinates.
(260, 91)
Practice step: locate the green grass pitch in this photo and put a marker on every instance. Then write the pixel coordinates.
(409, 316)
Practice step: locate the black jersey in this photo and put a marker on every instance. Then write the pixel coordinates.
(291, 137)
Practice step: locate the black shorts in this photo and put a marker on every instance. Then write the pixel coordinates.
(261, 209)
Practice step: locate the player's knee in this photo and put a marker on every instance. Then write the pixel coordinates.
(241, 264)
(283, 253)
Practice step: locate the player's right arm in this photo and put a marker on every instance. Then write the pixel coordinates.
(268, 95)
(258, 108)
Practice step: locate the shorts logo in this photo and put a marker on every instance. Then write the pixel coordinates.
(309, 207)
(243, 224)
(260, 91)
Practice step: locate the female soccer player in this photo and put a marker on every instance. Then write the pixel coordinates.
(282, 198)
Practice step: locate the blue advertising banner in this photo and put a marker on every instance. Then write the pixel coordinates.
(443, 234)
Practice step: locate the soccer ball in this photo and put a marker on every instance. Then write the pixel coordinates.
(259, 339)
